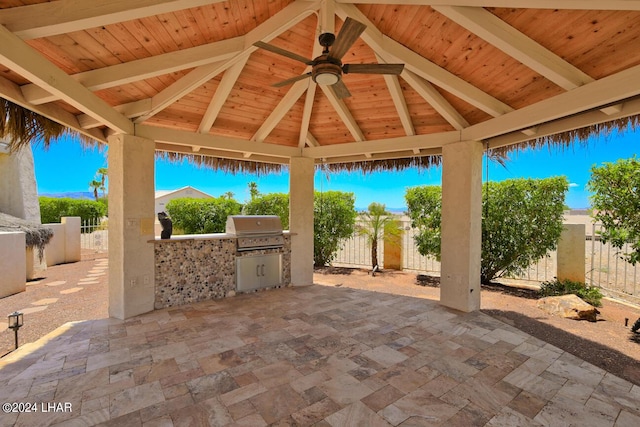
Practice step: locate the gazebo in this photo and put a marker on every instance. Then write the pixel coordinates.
(195, 79)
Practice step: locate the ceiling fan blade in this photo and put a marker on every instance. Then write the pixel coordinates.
(291, 80)
(280, 51)
(373, 68)
(340, 89)
(349, 33)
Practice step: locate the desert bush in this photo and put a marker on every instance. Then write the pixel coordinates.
(269, 204)
(522, 222)
(616, 203)
(52, 209)
(197, 216)
(334, 217)
(589, 294)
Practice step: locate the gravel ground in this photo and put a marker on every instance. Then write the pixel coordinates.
(606, 343)
(63, 302)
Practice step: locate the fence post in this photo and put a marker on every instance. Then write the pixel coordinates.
(392, 252)
(571, 253)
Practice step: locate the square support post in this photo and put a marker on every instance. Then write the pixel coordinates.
(301, 195)
(131, 226)
(461, 225)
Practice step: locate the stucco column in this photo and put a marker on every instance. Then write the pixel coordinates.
(461, 225)
(301, 220)
(571, 253)
(131, 226)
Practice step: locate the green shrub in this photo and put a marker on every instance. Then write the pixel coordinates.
(52, 209)
(589, 294)
(334, 218)
(522, 221)
(270, 204)
(197, 216)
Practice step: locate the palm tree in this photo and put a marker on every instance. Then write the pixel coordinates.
(103, 172)
(253, 190)
(95, 185)
(378, 224)
(229, 195)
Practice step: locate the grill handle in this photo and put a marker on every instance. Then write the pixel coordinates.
(258, 270)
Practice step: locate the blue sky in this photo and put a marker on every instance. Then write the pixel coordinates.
(66, 167)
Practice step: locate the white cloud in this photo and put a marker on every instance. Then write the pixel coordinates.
(573, 185)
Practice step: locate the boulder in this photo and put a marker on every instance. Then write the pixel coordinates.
(568, 306)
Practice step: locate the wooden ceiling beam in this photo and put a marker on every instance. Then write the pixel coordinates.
(435, 99)
(133, 71)
(404, 143)
(524, 4)
(210, 152)
(285, 104)
(66, 16)
(11, 92)
(344, 113)
(21, 58)
(392, 51)
(271, 28)
(607, 91)
(305, 136)
(498, 33)
(221, 94)
(224, 143)
(393, 85)
(586, 119)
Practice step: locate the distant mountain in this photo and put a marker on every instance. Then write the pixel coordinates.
(71, 194)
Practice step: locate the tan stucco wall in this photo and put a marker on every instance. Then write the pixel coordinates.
(12, 263)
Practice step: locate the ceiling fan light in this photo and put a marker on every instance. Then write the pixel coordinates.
(326, 79)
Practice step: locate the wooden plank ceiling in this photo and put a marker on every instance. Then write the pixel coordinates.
(186, 73)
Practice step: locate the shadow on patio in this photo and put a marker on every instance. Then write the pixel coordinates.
(314, 355)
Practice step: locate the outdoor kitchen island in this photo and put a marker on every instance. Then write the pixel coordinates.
(253, 254)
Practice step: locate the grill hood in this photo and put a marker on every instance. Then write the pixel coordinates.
(253, 225)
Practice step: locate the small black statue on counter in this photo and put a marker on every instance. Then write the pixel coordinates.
(167, 225)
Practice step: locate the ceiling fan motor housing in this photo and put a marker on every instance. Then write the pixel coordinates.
(327, 70)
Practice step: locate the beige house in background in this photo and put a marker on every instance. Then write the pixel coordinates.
(165, 196)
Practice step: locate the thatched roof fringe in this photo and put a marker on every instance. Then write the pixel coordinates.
(36, 235)
(576, 136)
(226, 165)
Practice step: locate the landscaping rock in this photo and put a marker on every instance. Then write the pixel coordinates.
(568, 306)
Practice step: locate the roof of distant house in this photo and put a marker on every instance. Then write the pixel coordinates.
(162, 193)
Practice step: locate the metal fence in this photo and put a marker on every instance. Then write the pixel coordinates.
(604, 266)
(94, 235)
(606, 269)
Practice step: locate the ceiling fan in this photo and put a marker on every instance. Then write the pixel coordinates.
(327, 69)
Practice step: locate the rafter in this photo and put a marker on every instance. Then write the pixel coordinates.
(305, 136)
(392, 51)
(495, 31)
(224, 143)
(11, 92)
(435, 99)
(271, 28)
(220, 96)
(285, 104)
(525, 4)
(393, 85)
(66, 16)
(344, 113)
(24, 60)
(606, 91)
(132, 71)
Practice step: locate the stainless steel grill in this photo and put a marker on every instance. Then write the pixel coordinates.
(256, 231)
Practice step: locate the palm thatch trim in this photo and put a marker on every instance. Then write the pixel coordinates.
(395, 165)
(232, 166)
(580, 136)
(36, 235)
(22, 126)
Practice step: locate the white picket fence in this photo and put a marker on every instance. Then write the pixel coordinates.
(94, 235)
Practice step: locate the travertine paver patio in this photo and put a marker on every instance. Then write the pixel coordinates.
(309, 356)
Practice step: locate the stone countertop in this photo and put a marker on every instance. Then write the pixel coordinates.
(212, 236)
